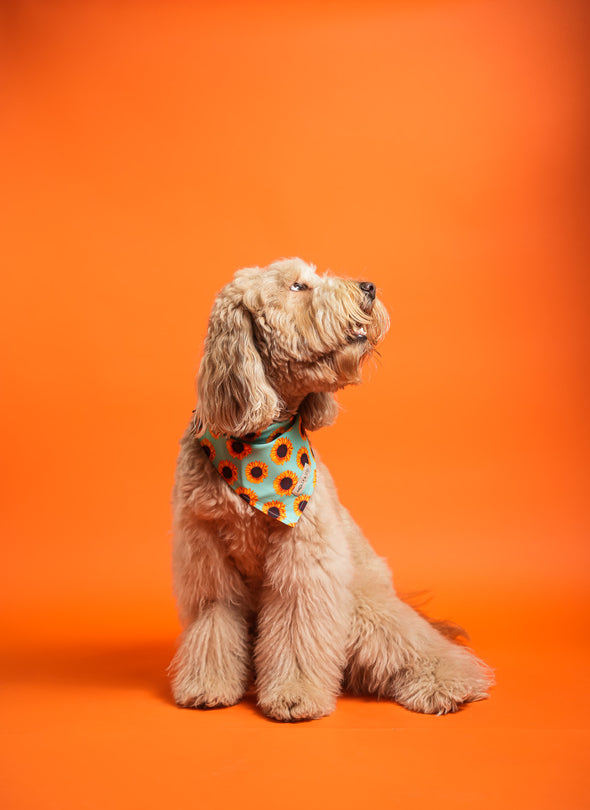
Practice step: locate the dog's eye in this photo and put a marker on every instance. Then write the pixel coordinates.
(297, 287)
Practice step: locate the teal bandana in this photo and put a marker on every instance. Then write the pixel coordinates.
(273, 470)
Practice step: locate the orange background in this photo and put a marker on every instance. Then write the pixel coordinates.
(436, 148)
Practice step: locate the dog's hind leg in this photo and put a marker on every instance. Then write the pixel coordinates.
(213, 663)
(394, 652)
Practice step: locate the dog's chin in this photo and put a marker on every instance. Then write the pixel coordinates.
(346, 363)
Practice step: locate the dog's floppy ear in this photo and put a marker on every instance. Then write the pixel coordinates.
(234, 396)
(318, 410)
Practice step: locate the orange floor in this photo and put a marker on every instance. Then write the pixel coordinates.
(149, 149)
(89, 723)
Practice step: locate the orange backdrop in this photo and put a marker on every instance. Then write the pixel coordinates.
(436, 148)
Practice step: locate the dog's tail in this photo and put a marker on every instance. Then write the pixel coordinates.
(451, 630)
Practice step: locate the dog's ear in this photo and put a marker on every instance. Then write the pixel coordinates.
(318, 410)
(234, 396)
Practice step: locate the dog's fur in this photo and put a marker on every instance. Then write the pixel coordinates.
(309, 609)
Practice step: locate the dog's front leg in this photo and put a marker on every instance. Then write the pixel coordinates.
(302, 625)
(212, 664)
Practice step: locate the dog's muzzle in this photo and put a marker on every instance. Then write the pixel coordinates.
(359, 332)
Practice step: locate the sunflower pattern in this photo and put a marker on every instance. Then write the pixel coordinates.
(300, 503)
(281, 450)
(285, 482)
(228, 471)
(274, 509)
(237, 448)
(303, 457)
(256, 471)
(247, 495)
(256, 466)
(208, 448)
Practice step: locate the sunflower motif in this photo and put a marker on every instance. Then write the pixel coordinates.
(281, 451)
(256, 471)
(215, 435)
(303, 458)
(302, 430)
(275, 509)
(251, 436)
(247, 495)
(300, 503)
(285, 482)
(275, 434)
(228, 471)
(237, 448)
(208, 448)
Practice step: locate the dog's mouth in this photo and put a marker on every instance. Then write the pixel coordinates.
(358, 333)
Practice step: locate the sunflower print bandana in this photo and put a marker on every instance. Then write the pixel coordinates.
(273, 470)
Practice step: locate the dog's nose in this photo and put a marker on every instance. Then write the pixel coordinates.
(369, 288)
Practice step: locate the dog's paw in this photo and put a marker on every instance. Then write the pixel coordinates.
(212, 664)
(443, 685)
(194, 695)
(295, 703)
(196, 685)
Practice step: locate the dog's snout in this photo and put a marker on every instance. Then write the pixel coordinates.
(369, 288)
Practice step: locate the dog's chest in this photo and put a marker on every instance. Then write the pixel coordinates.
(245, 543)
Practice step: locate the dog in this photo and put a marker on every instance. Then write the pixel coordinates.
(272, 577)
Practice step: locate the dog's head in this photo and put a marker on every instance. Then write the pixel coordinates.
(280, 340)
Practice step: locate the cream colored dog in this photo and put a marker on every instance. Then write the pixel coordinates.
(308, 608)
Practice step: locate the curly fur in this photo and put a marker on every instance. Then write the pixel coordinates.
(307, 610)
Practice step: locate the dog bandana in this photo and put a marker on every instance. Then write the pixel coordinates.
(273, 470)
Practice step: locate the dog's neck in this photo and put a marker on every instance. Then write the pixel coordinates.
(289, 407)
